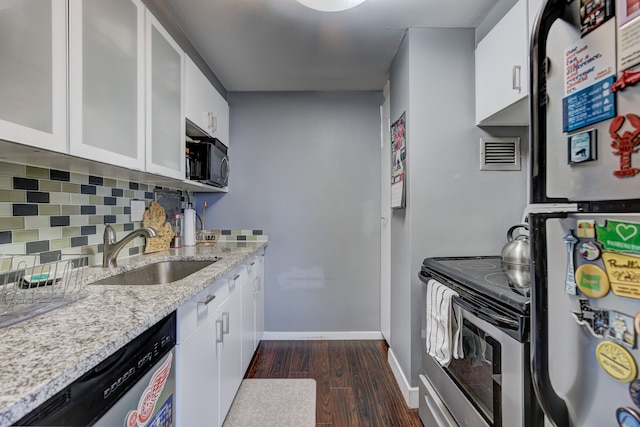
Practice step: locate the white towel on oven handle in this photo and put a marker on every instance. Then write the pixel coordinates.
(443, 324)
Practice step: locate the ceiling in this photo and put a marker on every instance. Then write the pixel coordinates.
(280, 45)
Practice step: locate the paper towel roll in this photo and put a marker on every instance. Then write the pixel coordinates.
(189, 238)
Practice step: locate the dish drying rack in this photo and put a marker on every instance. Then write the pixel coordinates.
(29, 288)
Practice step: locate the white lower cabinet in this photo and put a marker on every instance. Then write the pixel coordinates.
(197, 358)
(258, 280)
(252, 308)
(248, 314)
(230, 347)
(215, 340)
(197, 389)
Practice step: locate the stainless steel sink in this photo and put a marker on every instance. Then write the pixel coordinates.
(156, 274)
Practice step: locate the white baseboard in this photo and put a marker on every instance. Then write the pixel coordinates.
(411, 394)
(352, 335)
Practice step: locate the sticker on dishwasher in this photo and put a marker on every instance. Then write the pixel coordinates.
(147, 403)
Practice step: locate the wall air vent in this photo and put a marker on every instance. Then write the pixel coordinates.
(499, 154)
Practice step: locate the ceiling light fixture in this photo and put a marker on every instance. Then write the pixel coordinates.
(330, 5)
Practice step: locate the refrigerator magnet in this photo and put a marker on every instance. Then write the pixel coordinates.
(619, 236)
(621, 329)
(624, 145)
(589, 251)
(624, 273)
(592, 281)
(596, 321)
(582, 147)
(627, 417)
(636, 323)
(586, 228)
(634, 392)
(616, 361)
(570, 285)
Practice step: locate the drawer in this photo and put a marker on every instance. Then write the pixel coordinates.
(432, 409)
(198, 309)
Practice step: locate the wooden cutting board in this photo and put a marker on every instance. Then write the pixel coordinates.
(156, 218)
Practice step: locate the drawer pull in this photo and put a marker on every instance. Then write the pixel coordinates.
(236, 277)
(207, 300)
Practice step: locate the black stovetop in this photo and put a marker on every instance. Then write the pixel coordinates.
(482, 276)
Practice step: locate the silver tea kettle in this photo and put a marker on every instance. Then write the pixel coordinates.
(516, 256)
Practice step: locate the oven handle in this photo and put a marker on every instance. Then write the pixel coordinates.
(487, 314)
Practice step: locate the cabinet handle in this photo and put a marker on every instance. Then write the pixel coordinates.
(517, 78)
(253, 263)
(225, 322)
(232, 285)
(219, 334)
(212, 122)
(207, 300)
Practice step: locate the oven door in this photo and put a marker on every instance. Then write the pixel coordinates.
(486, 387)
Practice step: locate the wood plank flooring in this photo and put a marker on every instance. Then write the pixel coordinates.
(354, 383)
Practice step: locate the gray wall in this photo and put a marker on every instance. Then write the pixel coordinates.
(305, 169)
(453, 208)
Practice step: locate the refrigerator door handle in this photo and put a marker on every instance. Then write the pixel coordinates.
(553, 406)
(487, 315)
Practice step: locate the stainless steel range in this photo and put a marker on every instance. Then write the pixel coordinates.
(491, 385)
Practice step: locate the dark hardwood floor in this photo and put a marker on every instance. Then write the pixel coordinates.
(354, 383)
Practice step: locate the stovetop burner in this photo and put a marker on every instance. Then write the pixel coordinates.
(482, 275)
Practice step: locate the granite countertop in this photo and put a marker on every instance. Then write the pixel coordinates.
(42, 355)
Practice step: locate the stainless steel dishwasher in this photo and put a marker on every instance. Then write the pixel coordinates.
(133, 387)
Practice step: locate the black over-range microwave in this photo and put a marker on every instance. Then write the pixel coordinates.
(207, 161)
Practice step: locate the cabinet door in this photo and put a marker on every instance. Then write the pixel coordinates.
(501, 64)
(165, 125)
(204, 106)
(197, 377)
(33, 87)
(221, 109)
(248, 314)
(230, 349)
(259, 300)
(106, 55)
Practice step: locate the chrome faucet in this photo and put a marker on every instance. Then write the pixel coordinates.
(113, 248)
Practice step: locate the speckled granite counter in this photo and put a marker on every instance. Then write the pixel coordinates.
(42, 355)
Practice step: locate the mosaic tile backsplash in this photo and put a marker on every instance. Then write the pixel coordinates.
(54, 212)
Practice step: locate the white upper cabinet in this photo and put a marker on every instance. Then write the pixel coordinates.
(165, 124)
(33, 87)
(502, 73)
(106, 56)
(204, 106)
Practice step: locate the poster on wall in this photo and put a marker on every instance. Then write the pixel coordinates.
(594, 13)
(628, 33)
(398, 163)
(590, 68)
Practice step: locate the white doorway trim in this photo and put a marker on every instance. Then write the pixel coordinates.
(385, 216)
